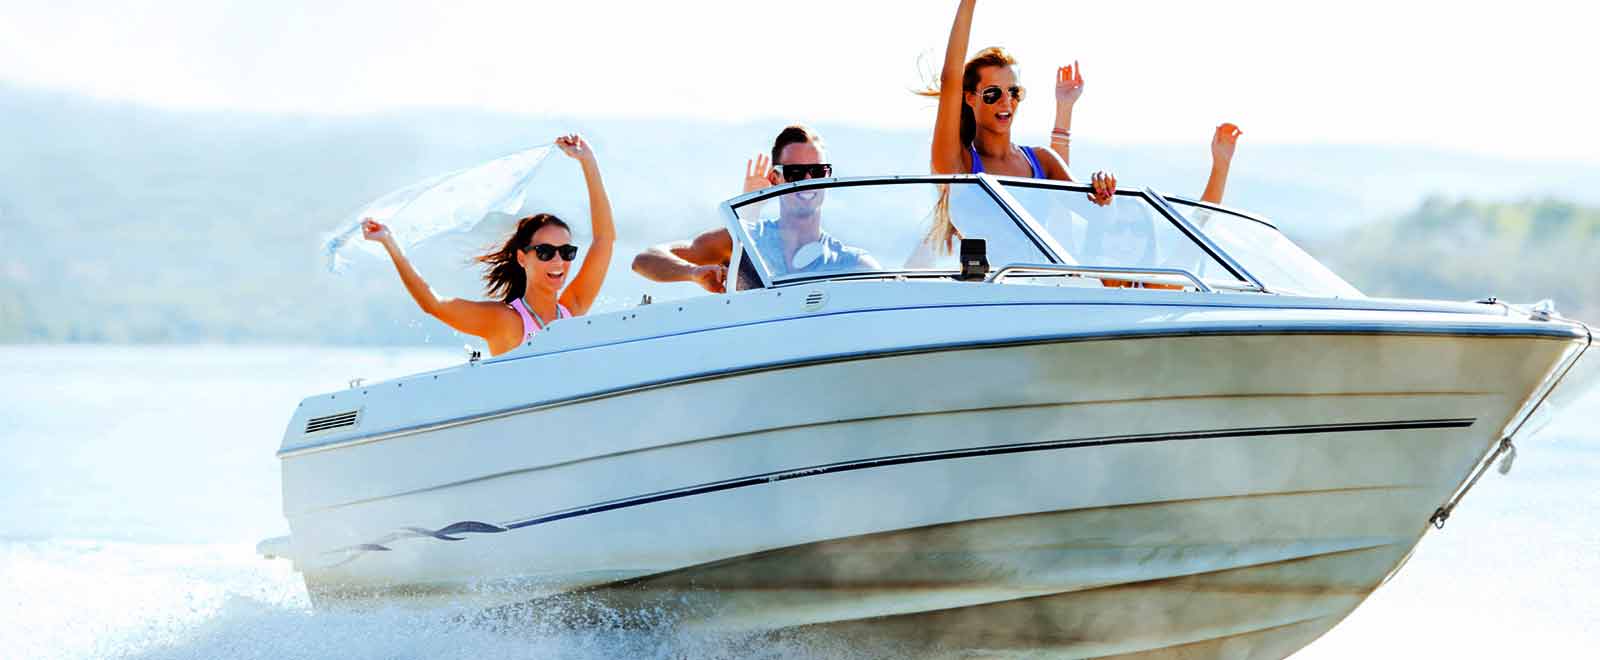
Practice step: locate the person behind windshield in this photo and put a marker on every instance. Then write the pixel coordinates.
(1069, 88)
(526, 272)
(1133, 241)
(796, 236)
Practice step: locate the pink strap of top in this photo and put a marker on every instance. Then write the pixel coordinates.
(529, 325)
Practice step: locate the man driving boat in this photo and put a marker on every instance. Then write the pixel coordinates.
(792, 243)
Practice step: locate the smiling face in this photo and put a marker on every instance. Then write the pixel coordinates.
(546, 276)
(805, 203)
(998, 116)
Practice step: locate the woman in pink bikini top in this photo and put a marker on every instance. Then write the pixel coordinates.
(526, 273)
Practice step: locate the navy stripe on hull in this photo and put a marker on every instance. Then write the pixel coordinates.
(996, 450)
(908, 459)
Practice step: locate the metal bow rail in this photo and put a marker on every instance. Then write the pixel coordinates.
(1145, 275)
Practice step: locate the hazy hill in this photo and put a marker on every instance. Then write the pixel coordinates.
(1519, 252)
(124, 223)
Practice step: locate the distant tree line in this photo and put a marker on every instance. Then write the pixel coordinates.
(1462, 249)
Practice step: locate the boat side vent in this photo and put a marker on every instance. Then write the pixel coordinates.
(815, 300)
(334, 421)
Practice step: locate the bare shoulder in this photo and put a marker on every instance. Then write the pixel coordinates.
(1054, 168)
(495, 322)
(506, 324)
(500, 315)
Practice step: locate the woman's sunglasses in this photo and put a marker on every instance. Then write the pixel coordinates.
(803, 172)
(546, 251)
(991, 94)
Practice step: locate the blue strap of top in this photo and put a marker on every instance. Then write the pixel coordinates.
(1033, 161)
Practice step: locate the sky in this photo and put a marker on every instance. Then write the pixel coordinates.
(1498, 79)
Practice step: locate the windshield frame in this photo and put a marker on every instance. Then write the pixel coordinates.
(1229, 211)
(1040, 239)
(993, 185)
(1224, 209)
(1157, 200)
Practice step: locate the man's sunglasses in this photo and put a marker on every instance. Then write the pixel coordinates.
(546, 251)
(803, 172)
(991, 94)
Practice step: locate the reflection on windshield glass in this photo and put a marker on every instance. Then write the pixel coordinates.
(1128, 233)
(882, 227)
(1270, 256)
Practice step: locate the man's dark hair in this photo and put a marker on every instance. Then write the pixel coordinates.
(794, 134)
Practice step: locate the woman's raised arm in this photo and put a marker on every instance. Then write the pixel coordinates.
(585, 288)
(1222, 146)
(487, 320)
(947, 147)
(1069, 88)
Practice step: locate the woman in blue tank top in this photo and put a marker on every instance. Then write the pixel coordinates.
(978, 101)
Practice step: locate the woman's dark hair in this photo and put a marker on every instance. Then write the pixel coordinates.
(991, 56)
(794, 134)
(504, 276)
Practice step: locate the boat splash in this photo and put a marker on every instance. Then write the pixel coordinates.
(181, 602)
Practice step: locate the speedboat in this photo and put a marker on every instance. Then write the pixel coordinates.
(955, 415)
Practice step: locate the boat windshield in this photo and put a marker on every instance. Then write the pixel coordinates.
(912, 226)
(882, 226)
(1271, 257)
(1130, 232)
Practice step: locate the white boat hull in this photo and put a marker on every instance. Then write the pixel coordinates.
(1237, 498)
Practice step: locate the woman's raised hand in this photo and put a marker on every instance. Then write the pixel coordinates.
(574, 146)
(1069, 84)
(1223, 142)
(1105, 188)
(373, 230)
(755, 173)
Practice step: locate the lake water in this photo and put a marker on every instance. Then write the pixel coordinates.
(135, 483)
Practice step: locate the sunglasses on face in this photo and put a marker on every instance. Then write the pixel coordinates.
(991, 94)
(803, 172)
(546, 251)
